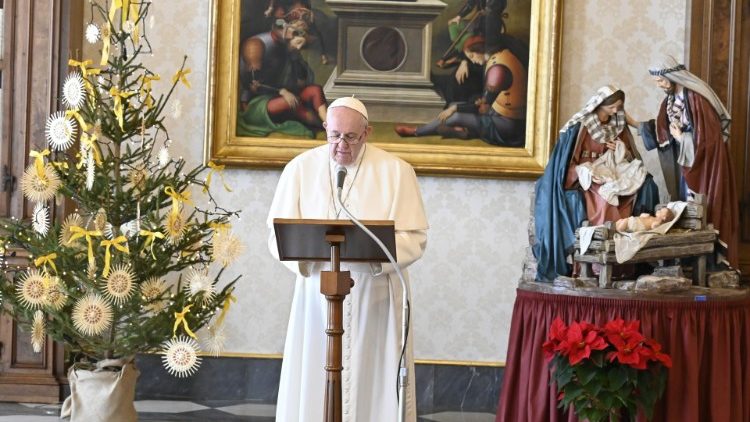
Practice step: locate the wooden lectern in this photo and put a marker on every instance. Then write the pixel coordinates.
(337, 241)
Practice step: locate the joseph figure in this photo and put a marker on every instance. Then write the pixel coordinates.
(691, 133)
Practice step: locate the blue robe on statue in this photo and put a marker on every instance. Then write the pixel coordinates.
(558, 211)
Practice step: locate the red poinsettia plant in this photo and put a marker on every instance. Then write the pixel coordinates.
(601, 370)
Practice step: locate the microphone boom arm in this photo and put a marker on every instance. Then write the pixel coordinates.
(403, 372)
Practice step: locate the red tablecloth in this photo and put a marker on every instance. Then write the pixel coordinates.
(709, 342)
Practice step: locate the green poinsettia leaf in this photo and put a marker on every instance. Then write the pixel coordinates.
(598, 359)
(617, 377)
(563, 376)
(594, 414)
(586, 373)
(594, 388)
(661, 380)
(572, 393)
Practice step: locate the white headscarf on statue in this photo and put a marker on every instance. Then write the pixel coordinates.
(599, 131)
(678, 74)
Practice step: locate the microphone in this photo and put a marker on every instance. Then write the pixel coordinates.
(340, 176)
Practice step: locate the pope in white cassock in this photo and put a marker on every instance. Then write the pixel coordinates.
(378, 186)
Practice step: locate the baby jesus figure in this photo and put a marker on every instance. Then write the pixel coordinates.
(644, 221)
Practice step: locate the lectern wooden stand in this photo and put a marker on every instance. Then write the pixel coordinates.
(337, 241)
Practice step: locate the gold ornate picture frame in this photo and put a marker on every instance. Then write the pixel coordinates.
(458, 157)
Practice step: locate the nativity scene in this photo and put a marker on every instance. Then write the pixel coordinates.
(610, 257)
(596, 186)
(374, 211)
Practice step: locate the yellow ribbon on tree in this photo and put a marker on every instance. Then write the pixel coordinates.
(118, 244)
(106, 33)
(147, 79)
(60, 165)
(116, 4)
(181, 76)
(179, 317)
(118, 96)
(38, 157)
(220, 226)
(125, 4)
(177, 198)
(225, 309)
(78, 232)
(84, 66)
(134, 16)
(46, 259)
(146, 88)
(150, 237)
(218, 169)
(90, 142)
(76, 115)
(85, 72)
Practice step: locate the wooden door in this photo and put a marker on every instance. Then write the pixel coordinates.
(718, 51)
(38, 38)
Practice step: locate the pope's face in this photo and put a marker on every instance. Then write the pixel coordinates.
(664, 84)
(346, 123)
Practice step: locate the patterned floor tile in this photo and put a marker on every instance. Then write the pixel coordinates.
(459, 417)
(167, 406)
(211, 415)
(213, 411)
(250, 409)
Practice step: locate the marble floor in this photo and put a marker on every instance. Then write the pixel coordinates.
(187, 411)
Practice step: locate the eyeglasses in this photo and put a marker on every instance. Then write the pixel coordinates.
(349, 138)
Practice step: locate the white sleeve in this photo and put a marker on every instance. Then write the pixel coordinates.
(410, 246)
(411, 221)
(285, 204)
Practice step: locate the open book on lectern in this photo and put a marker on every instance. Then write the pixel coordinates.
(305, 240)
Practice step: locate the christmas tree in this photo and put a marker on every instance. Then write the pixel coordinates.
(137, 266)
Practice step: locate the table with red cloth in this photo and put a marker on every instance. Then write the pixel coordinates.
(705, 331)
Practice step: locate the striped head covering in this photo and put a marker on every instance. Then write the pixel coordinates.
(599, 131)
(678, 74)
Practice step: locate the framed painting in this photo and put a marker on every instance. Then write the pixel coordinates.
(454, 87)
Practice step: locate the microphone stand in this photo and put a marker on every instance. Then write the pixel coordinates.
(403, 372)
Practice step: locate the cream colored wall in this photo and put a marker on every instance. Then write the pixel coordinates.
(464, 287)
